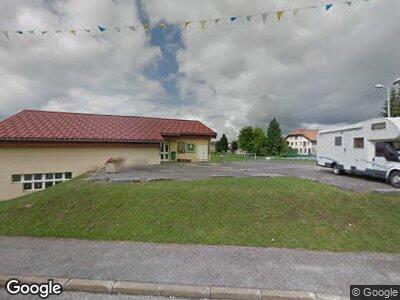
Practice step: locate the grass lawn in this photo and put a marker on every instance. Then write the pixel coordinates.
(278, 212)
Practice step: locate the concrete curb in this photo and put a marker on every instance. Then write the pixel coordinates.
(170, 290)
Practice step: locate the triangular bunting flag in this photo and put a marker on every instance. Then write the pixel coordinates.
(117, 29)
(19, 32)
(73, 31)
(6, 35)
(279, 14)
(87, 30)
(57, 31)
(203, 24)
(31, 31)
(187, 24)
(348, 3)
(44, 32)
(233, 19)
(248, 18)
(101, 28)
(295, 11)
(328, 7)
(216, 21)
(264, 17)
(132, 28)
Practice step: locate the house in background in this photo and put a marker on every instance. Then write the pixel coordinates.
(303, 140)
(39, 149)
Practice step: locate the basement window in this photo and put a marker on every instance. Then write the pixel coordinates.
(16, 178)
(40, 181)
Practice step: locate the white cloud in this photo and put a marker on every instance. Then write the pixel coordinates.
(87, 72)
(317, 69)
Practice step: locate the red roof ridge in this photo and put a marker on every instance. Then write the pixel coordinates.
(310, 134)
(94, 114)
(40, 125)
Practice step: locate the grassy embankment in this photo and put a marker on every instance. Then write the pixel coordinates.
(277, 212)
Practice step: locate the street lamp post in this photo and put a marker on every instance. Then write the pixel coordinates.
(388, 87)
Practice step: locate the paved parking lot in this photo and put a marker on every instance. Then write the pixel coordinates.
(304, 170)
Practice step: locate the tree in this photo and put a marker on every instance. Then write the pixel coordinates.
(275, 144)
(287, 150)
(394, 104)
(234, 146)
(222, 144)
(246, 139)
(259, 141)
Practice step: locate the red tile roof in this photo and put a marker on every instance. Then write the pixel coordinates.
(46, 126)
(307, 133)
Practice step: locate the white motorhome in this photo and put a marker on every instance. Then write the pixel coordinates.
(367, 148)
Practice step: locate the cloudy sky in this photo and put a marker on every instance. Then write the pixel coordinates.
(316, 69)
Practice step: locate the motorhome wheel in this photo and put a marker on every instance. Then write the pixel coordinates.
(336, 170)
(394, 179)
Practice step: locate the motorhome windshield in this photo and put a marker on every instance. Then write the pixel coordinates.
(388, 150)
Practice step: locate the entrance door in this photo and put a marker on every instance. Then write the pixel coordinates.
(203, 152)
(164, 151)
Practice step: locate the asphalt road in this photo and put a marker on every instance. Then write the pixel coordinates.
(249, 168)
(269, 268)
(78, 296)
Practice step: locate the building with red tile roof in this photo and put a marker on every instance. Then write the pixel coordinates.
(303, 140)
(42, 148)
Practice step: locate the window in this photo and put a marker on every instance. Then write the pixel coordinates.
(338, 141)
(359, 142)
(16, 178)
(38, 185)
(28, 186)
(190, 148)
(378, 126)
(181, 147)
(48, 184)
(304, 143)
(40, 181)
(387, 151)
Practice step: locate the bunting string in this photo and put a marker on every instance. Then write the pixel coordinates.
(183, 25)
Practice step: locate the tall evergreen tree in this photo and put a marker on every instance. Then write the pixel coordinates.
(222, 144)
(246, 139)
(275, 143)
(394, 104)
(259, 141)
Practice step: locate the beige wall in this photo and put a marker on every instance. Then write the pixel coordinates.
(76, 159)
(193, 156)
